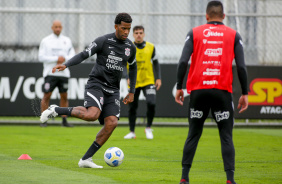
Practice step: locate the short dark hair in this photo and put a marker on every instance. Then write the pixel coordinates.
(125, 17)
(138, 27)
(215, 9)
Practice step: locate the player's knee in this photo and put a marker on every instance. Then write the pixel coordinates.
(112, 122)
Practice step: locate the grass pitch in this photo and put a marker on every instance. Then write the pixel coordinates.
(55, 152)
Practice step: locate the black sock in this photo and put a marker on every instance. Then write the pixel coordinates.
(64, 110)
(91, 151)
(64, 120)
(185, 172)
(230, 175)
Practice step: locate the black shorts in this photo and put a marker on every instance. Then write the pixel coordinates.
(149, 92)
(51, 82)
(105, 99)
(220, 103)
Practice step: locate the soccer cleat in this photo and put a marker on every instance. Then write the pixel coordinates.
(149, 133)
(88, 163)
(230, 182)
(130, 135)
(48, 114)
(183, 181)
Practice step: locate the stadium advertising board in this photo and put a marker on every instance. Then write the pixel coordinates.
(265, 92)
(21, 91)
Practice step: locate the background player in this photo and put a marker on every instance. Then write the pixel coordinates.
(101, 100)
(55, 49)
(147, 66)
(214, 47)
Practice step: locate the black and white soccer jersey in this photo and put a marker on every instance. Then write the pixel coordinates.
(112, 57)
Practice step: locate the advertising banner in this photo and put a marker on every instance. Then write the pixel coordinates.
(21, 91)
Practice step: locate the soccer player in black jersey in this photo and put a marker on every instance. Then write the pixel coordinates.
(101, 98)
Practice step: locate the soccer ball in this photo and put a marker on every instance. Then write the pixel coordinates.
(113, 156)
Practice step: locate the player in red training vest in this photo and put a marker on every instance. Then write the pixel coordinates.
(212, 48)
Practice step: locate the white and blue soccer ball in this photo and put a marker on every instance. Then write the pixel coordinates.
(113, 156)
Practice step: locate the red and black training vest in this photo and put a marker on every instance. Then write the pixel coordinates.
(211, 61)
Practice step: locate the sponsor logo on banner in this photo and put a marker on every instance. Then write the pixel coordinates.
(265, 91)
(31, 88)
(270, 110)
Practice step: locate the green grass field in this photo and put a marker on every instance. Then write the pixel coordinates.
(55, 152)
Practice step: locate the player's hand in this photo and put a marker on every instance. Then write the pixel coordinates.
(129, 98)
(158, 84)
(243, 103)
(179, 96)
(59, 68)
(61, 59)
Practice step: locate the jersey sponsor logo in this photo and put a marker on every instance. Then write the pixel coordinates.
(221, 115)
(270, 110)
(115, 58)
(210, 82)
(195, 113)
(212, 42)
(112, 53)
(211, 72)
(112, 63)
(85, 103)
(127, 43)
(127, 51)
(112, 39)
(208, 33)
(93, 44)
(213, 52)
(265, 91)
(215, 63)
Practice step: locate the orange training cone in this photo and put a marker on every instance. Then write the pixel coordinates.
(24, 157)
